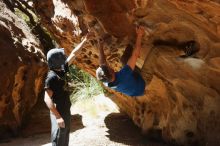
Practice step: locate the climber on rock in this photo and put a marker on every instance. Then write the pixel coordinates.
(57, 93)
(126, 81)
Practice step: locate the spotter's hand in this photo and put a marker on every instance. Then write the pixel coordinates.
(60, 122)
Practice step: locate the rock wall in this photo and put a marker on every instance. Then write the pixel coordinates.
(183, 94)
(182, 97)
(22, 70)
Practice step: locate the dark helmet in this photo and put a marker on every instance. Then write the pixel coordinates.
(56, 58)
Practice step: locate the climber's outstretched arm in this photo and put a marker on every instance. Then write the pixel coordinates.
(136, 51)
(102, 59)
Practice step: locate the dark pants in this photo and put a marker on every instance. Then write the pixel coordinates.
(60, 136)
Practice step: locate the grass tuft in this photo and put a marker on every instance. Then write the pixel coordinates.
(84, 85)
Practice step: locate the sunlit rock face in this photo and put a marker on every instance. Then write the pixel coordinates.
(182, 99)
(22, 70)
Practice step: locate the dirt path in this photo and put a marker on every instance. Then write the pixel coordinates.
(95, 122)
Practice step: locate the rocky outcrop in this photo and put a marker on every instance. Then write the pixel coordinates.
(182, 98)
(22, 70)
(183, 93)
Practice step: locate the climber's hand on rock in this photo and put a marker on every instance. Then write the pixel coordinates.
(140, 31)
(101, 42)
(60, 122)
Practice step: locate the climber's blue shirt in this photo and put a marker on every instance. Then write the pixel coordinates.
(128, 82)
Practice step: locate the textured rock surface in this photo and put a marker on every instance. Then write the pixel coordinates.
(182, 100)
(22, 69)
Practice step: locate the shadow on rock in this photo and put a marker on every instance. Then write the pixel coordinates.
(121, 129)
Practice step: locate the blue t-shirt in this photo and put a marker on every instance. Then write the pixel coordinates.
(128, 82)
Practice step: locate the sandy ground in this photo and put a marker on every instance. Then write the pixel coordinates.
(95, 122)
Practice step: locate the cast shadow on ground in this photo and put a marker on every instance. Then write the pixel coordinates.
(121, 129)
(38, 125)
(76, 122)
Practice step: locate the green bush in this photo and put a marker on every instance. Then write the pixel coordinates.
(84, 85)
